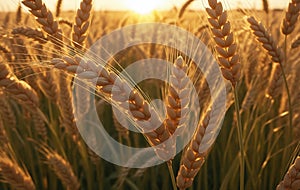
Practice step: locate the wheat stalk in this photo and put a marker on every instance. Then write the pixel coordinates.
(291, 16)
(226, 48)
(292, 177)
(11, 173)
(192, 160)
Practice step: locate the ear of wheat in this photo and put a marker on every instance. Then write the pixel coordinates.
(177, 96)
(62, 169)
(192, 160)
(81, 23)
(20, 90)
(291, 17)
(108, 83)
(11, 173)
(276, 53)
(45, 18)
(226, 48)
(292, 177)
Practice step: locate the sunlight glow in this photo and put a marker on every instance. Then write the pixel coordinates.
(143, 7)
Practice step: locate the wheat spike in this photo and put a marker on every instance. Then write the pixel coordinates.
(144, 115)
(48, 84)
(184, 7)
(39, 124)
(276, 53)
(66, 107)
(292, 177)
(81, 23)
(66, 22)
(177, 95)
(20, 90)
(266, 39)
(45, 18)
(192, 160)
(62, 169)
(58, 8)
(291, 17)
(6, 110)
(12, 174)
(226, 48)
(265, 6)
(34, 34)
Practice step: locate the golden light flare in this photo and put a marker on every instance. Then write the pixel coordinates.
(143, 7)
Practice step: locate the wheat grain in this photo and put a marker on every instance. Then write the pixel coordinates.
(226, 48)
(291, 16)
(11, 173)
(292, 177)
(7, 52)
(296, 43)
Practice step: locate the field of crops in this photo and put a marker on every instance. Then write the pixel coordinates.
(209, 98)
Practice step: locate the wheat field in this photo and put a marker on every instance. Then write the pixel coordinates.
(46, 66)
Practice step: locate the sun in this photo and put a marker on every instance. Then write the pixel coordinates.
(142, 6)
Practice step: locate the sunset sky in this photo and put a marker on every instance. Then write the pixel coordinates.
(138, 4)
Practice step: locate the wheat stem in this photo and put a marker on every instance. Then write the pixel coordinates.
(170, 167)
(240, 138)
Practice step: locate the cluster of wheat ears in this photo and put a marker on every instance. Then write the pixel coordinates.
(258, 146)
